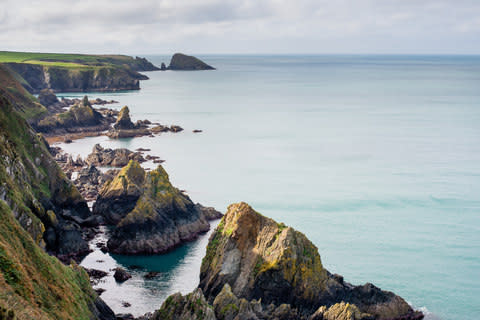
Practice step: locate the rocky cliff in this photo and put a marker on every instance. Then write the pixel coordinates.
(40, 210)
(151, 215)
(181, 61)
(63, 79)
(256, 268)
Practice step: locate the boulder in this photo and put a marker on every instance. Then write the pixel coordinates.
(121, 275)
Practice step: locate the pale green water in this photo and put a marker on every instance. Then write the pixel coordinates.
(376, 159)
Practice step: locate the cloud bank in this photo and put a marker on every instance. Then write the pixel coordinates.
(241, 26)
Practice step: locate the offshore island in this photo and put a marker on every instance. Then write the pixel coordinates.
(253, 268)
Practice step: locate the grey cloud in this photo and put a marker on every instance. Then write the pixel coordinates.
(242, 25)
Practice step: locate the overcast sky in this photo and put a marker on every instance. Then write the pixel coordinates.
(241, 26)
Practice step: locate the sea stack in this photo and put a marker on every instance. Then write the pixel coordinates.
(181, 61)
(151, 216)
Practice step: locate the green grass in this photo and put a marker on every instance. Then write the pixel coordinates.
(65, 60)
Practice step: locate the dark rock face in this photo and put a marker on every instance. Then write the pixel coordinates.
(163, 217)
(65, 80)
(183, 62)
(163, 67)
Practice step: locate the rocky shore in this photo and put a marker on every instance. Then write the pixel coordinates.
(256, 268)
(70, 119)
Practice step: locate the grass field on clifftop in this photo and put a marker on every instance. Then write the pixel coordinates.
(65, 60)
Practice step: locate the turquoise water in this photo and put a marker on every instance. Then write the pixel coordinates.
(375, 158)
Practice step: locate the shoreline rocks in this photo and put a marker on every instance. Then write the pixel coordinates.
(256, 268)
(125, 128)
(106, 157)
(80, 118)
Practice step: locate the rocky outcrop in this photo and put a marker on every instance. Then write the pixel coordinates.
(119, 196)
(61, 79)
(163, 218)
(47, 97)
(123, 121)
(106, 157)
(260, 259)
(90, 180)
(151, 216)
(125, 128)
(142, 64)
(189, 307)
(81, 117)
(181, 61)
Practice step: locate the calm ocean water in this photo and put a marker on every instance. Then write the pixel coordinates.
(375, 158)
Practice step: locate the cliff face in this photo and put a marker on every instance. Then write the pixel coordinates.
(104, 78)
(38, 206)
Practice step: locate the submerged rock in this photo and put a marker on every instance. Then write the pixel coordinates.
(181, 61)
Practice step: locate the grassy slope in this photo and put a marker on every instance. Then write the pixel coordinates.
(33, 284)
(65, 60)
(25, 103)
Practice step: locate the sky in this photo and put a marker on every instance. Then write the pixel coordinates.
(241, 26)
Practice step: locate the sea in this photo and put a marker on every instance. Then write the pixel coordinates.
(376, 158)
